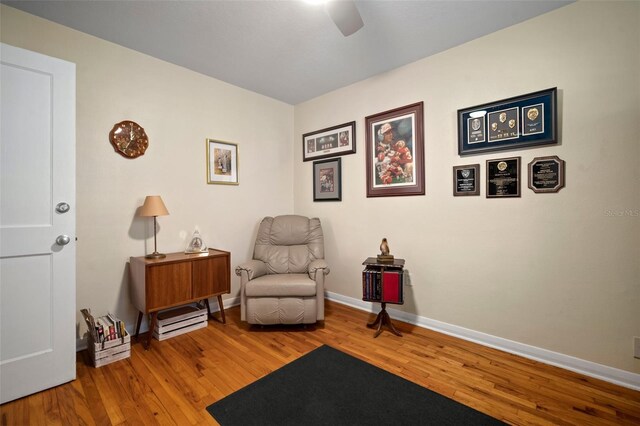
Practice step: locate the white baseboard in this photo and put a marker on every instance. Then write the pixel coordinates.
(588, 368)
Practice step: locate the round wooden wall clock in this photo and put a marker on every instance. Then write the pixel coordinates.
(129, 139)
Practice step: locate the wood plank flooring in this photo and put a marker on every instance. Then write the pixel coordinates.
(177, 379)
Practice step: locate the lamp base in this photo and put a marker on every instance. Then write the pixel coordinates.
(155, 255)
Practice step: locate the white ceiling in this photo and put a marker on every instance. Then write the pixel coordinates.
(287, 50)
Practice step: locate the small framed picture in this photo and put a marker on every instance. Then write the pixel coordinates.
(222, 162)
(327, 180)
(466, 179)
(395, 152)
(329, 142)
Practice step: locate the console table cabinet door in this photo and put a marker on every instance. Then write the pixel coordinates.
(211, 276)
(168, 285)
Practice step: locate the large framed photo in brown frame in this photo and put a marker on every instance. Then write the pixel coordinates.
(395, 152)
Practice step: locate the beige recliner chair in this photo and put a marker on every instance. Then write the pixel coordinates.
(284, 283)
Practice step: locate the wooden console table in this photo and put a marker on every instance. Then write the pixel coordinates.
(178, 279)
(382, 283)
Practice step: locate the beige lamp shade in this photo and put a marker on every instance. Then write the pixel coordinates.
(153, 206)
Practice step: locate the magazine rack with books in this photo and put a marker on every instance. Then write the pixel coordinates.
(382, 283)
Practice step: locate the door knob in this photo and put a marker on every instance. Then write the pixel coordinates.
(63, 240)
(62, 207)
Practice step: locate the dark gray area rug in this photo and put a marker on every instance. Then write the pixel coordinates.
(329, 387)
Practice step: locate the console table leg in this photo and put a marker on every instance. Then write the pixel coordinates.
(152, 325)
(206, 303)
(138, 324)
(221, 306)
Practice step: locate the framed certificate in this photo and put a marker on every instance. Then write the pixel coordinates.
(514, 123)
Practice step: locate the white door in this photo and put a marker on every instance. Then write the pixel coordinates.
(37, 241)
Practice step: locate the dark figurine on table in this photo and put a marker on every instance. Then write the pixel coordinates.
(384, 255)
(384, 247)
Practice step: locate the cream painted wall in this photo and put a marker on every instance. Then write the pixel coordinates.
(179, 109)
(555, 271)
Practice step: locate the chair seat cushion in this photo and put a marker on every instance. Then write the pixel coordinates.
(281, 285)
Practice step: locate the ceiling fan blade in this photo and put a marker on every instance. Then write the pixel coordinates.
(345, 15)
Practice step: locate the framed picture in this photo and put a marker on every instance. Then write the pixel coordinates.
(327, 180)
(513, 123)
(329, 142)
(466, 179)
(546, 174)
(222, 162)
(395, 152)
(503, 178)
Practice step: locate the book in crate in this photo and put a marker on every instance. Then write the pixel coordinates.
(108, 339)
(178, 321)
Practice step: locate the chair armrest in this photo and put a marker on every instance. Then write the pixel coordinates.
(318, 265)
(253, 268)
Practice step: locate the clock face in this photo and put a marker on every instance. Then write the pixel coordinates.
(129, 139)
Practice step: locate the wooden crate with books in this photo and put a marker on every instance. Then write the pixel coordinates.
(108, 339)
(178, 321)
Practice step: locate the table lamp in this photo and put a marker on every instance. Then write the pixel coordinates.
(153, 206)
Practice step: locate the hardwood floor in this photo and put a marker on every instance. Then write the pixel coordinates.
(177, 379)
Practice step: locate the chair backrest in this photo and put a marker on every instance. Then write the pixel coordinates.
(287, 244)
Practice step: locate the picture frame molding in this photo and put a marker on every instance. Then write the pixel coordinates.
(234, 163)
(542, 131)
(337, 193)
(418, 187)
(350, 148)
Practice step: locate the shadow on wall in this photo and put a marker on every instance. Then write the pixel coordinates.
(141, 229)
(124, 309)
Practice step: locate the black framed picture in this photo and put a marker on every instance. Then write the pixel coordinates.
(514, 123)
(327, 180)
(329, 142)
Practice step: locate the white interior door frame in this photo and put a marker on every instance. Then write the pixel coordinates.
(37, 231)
